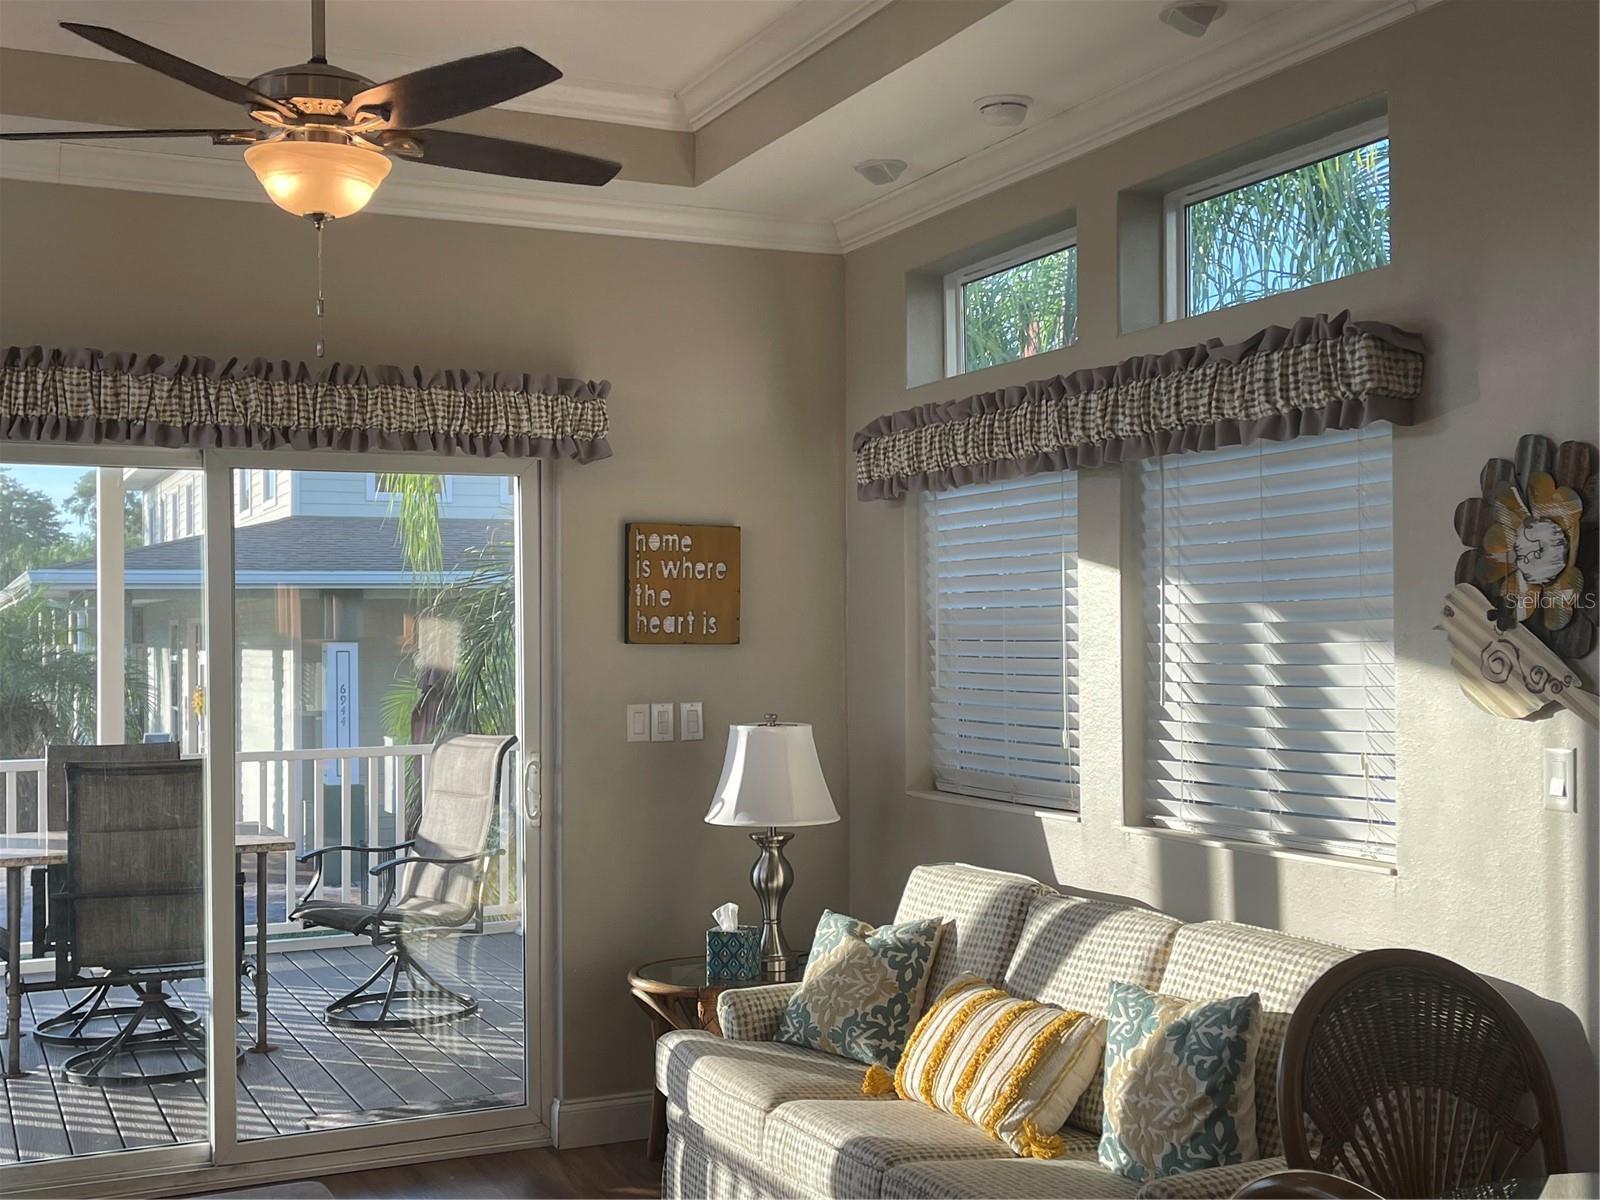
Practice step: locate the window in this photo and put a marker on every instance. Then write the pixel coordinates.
(269, 486)
(1270, 643)
(1019, 304)
(1317, 213)
(1002, 564)
(241, 490)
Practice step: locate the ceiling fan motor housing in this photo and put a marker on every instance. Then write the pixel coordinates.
(319, 90)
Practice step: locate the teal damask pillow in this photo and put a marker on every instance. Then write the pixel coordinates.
(862, 989)
(1180, 1083)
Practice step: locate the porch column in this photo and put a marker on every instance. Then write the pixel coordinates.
(110, 600)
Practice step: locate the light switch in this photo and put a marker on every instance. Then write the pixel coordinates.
(661, 722)
(690, 727)
(638, 722)
(1561, 780)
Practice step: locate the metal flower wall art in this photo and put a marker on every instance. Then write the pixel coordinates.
(1522, 613)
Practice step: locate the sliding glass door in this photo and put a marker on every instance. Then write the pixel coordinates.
(348, 648)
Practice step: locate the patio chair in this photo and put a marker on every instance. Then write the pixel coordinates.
(132, 905)
(83, 1023)
(1409, 1075)
(434, 890)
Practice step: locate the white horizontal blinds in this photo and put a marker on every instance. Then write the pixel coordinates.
(1002, 567)
(1270, 642)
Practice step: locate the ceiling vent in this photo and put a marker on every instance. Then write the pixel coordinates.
(881, 171)
(1192, 17)
(1003, 111)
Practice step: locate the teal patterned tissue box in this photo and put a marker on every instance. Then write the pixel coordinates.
(733, 955)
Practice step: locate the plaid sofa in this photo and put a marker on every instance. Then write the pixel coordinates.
(750, 1117)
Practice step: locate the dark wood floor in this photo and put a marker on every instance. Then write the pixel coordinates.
(620, 1170)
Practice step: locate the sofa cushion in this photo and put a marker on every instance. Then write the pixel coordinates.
(1219, 958)
(840, 1148)
(1010, 1066)
(861, 989)
(1071, 949)
(726, 1090)
(985, 910)
(1180, 1083)
(1073, 1177)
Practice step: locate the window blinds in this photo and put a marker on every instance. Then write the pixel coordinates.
(1270, 642)
(1002, 564)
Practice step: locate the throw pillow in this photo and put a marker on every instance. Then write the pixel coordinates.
(1013, 1068)
(861, 988)
(1180, 1083)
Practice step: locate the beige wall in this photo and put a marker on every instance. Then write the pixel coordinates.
(726, 374)
(1493, 119)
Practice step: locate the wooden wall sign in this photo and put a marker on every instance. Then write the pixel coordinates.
(682, 584)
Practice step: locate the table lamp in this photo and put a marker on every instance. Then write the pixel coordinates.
(770, 779)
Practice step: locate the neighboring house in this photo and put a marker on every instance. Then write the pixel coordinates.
(326, 611)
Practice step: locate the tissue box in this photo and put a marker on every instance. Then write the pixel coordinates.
(733, 955)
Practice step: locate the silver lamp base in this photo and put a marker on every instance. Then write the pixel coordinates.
(772, 877)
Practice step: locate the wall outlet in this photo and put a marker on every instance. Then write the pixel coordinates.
(1561, 780)
(638, 722)
(661, 722)
(691, 728)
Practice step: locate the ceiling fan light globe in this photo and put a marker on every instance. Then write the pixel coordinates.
(335, 179)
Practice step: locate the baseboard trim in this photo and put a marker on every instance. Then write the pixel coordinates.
(600, 1120)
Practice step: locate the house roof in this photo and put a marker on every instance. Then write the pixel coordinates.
(302, 551)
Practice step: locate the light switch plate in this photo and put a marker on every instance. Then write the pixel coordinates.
(691, 728)
(638, 722)
(1561, 780)
(661, 722)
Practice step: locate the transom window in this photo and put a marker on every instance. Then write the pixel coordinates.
(1012, 306)
(1317, 213)
(1269, 624)
(1002, 587)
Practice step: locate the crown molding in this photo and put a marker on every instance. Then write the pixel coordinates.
(593, 100)
(484, 200)
(1300, 33)
(800, 32)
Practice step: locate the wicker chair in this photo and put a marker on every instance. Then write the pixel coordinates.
(1409, 1074)
(1304, 1185)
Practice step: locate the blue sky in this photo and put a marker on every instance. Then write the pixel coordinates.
(55, 482)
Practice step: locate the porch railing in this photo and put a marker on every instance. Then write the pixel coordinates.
(357, 795)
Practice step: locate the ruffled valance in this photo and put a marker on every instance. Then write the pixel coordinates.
(89, 396)
(1324, 373)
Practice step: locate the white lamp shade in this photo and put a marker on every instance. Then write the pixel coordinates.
(771, 778)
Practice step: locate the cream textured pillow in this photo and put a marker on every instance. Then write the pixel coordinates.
(1014, 1068)
(1180, 1083)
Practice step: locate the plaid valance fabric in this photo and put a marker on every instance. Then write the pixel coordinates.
(1324, 373)
(89, 396)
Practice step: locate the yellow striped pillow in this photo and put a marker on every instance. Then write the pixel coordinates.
(1013, 1068)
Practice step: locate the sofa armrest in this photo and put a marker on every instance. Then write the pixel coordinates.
(1214, 1183)
(751, 1014)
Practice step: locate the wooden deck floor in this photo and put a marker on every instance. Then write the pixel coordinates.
(315, 1077)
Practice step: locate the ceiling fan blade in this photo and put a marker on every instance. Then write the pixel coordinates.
(496, 156)
(177, 68)
(453, 89)
(220, 136)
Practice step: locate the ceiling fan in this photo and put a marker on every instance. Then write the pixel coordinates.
(324, 136)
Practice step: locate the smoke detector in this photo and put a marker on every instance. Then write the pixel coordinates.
(1003, 110)
(880, 171)
(1192, 17)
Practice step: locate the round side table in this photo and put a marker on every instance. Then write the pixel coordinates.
(676, 993)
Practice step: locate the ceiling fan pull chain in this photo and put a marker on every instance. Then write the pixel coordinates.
(322, 342)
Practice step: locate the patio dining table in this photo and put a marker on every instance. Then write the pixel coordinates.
(23, 852)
